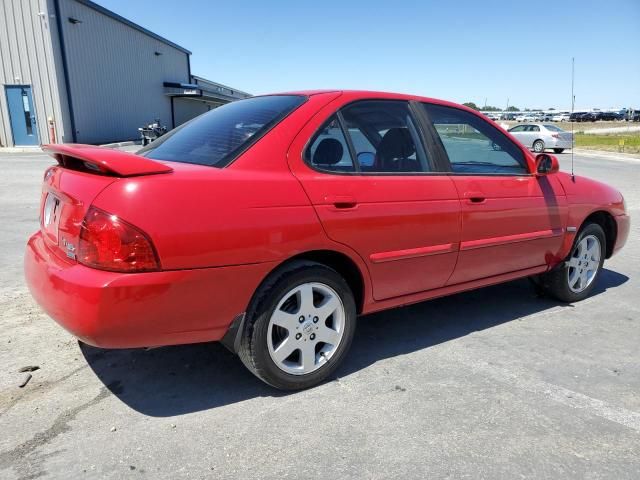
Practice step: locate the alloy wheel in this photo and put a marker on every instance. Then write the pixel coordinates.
(306, 328)
(584, 263)
(538, 146)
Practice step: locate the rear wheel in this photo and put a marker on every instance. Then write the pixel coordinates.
(576, 277)
(299, 327)
(558, 150)
(538, 146)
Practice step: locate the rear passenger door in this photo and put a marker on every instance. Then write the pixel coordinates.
(512, 220)
(376, 189)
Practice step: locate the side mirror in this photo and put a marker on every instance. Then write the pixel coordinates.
(366, 159)
(546, 164)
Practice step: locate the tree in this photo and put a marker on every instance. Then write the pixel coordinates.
(513, 109)
(490, 108)
(471, 105)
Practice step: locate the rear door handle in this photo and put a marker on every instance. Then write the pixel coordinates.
(475, 198)
(341, 201)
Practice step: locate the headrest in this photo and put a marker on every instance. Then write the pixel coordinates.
(396, 143)
(328, 152)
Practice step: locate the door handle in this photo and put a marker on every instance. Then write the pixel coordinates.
(342, 202)
(475, 198)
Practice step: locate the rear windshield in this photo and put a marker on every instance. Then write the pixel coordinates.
(553, 128)
(217, 137)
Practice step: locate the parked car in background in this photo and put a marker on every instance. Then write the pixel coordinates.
(575, 116)
(560, 117)
(526, 117)
(546, 117)
(610, 116)
(539, 137)
(508, 116)
(271, 223)
(590, 117)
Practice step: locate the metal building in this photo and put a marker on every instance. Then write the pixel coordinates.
(73, 70)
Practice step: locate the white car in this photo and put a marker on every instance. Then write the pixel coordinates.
(525, 117)
(540, 136)
(560, 117)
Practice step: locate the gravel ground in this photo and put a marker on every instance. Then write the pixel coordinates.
(494, 383)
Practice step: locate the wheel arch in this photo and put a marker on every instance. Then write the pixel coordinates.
(608, 224)
(338, 261)
(341, 263)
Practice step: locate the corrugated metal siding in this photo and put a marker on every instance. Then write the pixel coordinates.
(27, 58)
(116, 79)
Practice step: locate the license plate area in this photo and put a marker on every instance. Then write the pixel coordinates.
(51, 213)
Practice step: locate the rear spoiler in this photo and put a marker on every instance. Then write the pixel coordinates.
(104, 161)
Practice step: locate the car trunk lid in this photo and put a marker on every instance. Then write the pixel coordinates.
(69, 188)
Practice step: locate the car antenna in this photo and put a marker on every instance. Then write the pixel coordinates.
(573, 102)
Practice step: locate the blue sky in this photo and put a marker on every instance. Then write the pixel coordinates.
(459, 50)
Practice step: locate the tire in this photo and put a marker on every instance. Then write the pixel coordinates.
(538, 146)
(558, 150)
(273, 326)
(558, 283)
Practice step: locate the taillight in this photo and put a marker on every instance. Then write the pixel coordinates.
(109, 243)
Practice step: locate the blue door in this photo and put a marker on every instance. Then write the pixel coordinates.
(22, 115)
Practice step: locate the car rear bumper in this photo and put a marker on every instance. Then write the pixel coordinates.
(125, 310)
(623, 224)
(559, 144)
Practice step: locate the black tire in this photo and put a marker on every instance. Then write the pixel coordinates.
(254, 351)
(558, 150)
(556, 282)
(538, 146)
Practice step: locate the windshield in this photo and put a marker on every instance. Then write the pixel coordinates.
(217, 137)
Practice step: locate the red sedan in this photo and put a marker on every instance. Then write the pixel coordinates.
(271, 223)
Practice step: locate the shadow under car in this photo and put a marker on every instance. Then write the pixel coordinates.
(182, 379)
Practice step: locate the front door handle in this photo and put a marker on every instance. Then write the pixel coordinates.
(341, 201)
(475, 198)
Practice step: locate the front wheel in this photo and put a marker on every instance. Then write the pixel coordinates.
(576, 277)
(538, 146)
(558, 150)
(299, 326)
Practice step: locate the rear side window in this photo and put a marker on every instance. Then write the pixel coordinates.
(217, 137)
(473, 145)
(329, 150)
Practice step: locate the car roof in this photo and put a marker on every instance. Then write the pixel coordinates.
(373, 94)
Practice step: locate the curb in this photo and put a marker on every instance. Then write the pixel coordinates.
(35, 149)
(608, 155)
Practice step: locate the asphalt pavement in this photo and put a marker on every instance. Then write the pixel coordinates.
(495, 383)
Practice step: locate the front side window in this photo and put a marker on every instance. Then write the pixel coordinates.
(519, 128)
(384, 137)
(217, 137)
(473, 145)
